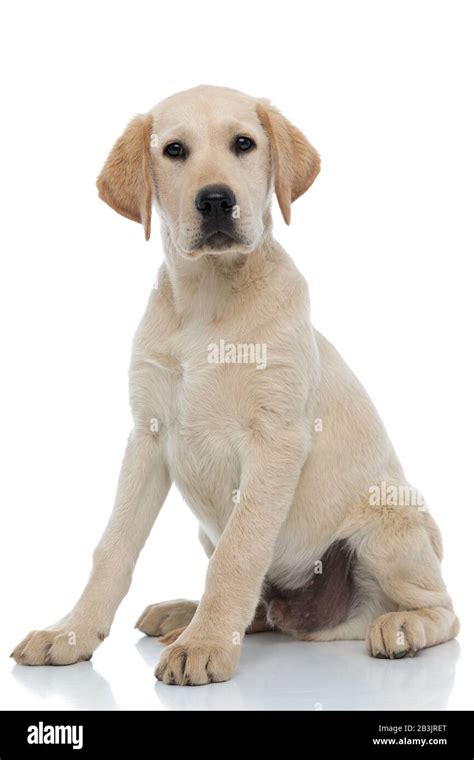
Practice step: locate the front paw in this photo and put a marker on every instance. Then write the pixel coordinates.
(195, 662)
(56, 646)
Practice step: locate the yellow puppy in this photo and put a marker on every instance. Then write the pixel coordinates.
(304, 509)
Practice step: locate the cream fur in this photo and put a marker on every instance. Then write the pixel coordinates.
(216, 430)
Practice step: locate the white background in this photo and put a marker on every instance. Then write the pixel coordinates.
(385, 239)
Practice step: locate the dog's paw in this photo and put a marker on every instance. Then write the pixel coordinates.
(194, 663)
(56, 647)
(166, 618)
(396, 635)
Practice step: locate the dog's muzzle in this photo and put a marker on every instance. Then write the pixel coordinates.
(215, 204)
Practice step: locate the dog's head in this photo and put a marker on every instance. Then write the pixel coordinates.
(210, 157)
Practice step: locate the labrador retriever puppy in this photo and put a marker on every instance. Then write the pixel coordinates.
(304, 510)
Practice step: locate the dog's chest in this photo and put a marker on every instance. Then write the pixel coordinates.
(202, 440)
(201, 405)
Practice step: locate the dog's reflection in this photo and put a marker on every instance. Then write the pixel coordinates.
(275, 673)
(81, 687)
(278, 673)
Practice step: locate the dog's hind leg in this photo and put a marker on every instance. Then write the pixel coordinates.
(401, 549)
(167, 620)
(383, 584)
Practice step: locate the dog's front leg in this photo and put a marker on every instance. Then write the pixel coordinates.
(143, 486)
(208, 650)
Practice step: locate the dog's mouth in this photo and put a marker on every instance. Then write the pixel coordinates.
(218, 240)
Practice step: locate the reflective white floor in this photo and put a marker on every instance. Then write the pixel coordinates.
(275, 672)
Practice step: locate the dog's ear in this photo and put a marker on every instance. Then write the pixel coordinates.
(295, 162)
(125, 181)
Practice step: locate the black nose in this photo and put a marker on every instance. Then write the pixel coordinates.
(215, 201)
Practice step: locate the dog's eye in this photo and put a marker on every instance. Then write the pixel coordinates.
(243, 144)
(174, 150)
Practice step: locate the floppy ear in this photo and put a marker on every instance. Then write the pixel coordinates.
(296, 162)
(125, 181)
